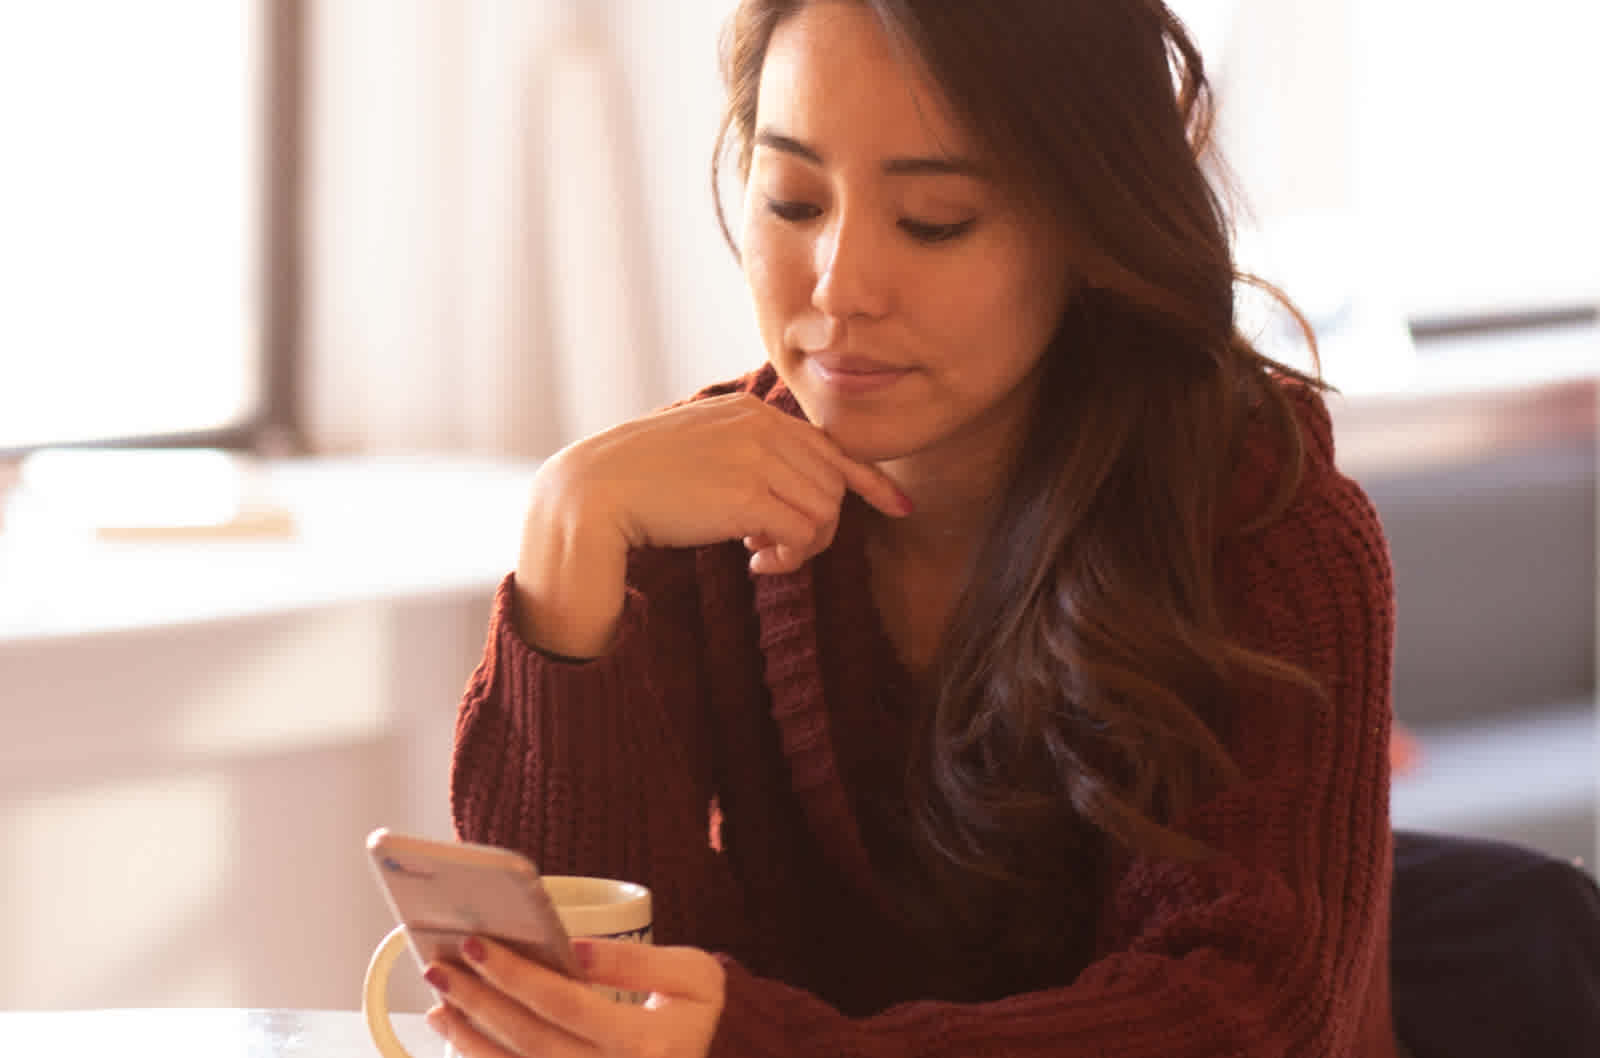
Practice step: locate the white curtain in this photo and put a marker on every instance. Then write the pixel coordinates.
(473, 283)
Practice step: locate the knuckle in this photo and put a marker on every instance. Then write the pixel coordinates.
(751, 492)
(745, 409)
(564, 1004)
(716, 974)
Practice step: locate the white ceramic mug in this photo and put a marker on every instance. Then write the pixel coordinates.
(589, 907)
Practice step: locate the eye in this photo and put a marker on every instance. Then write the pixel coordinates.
(936, 233)
(793, 211)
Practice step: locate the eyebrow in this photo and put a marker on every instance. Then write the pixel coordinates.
(895, 166)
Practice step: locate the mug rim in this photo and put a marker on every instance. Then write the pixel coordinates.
(600, 907)
(625, 892)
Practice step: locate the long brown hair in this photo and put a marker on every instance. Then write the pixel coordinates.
(1094, 672)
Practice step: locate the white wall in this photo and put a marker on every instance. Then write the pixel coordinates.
(670, 48)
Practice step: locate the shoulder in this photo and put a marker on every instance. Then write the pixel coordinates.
(1303, 542)
(1286, 473)
(1287, 434)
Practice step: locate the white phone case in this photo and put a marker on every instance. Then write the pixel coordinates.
(444, 892)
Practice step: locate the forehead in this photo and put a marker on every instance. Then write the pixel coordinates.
(836, 79)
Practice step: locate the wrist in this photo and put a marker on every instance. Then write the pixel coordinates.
(571, 570)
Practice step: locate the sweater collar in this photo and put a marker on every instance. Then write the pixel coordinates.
(787, 612)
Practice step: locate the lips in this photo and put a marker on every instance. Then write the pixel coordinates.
(854, 365)
(855, 374)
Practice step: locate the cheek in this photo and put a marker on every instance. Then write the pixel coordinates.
(1026, 293)
(759, 280)
(1008, 309)
(776, 283)
(988, 303)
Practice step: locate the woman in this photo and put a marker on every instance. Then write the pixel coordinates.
(1012, 628)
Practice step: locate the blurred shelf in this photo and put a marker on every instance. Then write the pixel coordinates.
(1530, 775)
(1464, 398)
(365, 529)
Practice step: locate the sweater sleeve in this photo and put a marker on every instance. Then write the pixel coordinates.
(597, 767)
(1275, 947)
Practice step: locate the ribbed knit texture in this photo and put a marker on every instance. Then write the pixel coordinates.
(766, 695)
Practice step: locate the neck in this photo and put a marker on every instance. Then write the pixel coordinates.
(919, 566)
(954, 503)
(943, 533)
(955, 488)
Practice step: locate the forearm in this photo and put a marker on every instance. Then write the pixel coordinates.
(540, 744)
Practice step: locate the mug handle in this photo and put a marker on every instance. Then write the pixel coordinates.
(375, 994)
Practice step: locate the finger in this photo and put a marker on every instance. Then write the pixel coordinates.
(682, 973)
(772, 557)
(510, 1010)
(864, 479)
(559, 1002)
(786, 558)
(453, 1027)
(783, 525)
(776, 560)
(816, 466)
(818, 502)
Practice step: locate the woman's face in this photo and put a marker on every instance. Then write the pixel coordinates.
(902, 298)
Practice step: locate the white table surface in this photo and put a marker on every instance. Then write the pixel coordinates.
(204, 1033)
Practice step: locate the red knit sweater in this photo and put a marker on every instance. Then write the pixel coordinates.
(766, 695)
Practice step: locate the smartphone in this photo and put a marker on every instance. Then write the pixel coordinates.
(446, 891)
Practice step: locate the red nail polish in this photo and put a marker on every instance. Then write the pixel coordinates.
(473, 949)
(436, 977)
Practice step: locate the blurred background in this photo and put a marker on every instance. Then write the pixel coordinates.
(295, 294)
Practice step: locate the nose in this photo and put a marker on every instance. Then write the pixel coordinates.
(852, 271)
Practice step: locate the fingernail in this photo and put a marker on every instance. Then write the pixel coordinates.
(906, 506)
(583, 951)
(436, 977)
(473, 949)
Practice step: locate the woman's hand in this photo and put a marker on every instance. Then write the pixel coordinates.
(500, 1005)
(725, 468)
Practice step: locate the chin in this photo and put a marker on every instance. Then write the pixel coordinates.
(863, 433)
(870, 442)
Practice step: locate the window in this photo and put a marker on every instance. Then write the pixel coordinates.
(135, 301)
(1418, 165)
(1476, 154)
